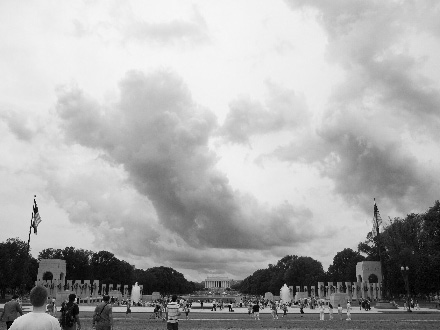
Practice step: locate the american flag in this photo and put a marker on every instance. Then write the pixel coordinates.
(36, 217)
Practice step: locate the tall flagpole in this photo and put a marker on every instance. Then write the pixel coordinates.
(376, 225)
(26, 260)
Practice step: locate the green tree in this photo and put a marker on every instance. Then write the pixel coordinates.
(304, 271)
(343, 267)
(18, 267)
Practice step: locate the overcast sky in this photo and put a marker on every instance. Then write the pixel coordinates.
(216, 137)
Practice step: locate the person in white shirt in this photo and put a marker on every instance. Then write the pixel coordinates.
(348, 311)
(173, 314)
(38, 319)
(321, 311)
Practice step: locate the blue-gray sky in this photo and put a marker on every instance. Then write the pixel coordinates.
(216, 137)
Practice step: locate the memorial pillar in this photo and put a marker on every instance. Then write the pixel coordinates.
(95, 287)
(364, 290)
(320, 289)
(359, 290)
(306, 290)
(298, 288)
(353, 292)
(86, 288)
(330, 288)
(375, 291)
(379, 292)
(349, 290)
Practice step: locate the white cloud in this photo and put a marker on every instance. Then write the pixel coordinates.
(328, 104)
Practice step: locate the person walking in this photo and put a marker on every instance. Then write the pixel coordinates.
(284, 310)
(348, 311)
(103, 315)
(173, 314)
(128, 310)
(11, 310)
(340, 311)
(38, 318)
(70, 314)
(273, 308)
(321, 311)
(256, 311)
(330, 311)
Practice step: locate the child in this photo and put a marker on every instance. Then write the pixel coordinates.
(340, 311)
(186, 310)
(321, 311)
(330, 311)
(285, 310)
(348, 311)
(128, 311)
(274, 311)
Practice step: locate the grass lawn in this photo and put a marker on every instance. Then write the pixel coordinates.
(142, 321)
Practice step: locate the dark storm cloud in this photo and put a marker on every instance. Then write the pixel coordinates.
(384, 96)
(283, 110)
(161, 136)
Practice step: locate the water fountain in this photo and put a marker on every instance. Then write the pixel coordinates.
(135, 293)
(285, 293)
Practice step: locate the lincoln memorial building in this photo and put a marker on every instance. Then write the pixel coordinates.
(217, 282)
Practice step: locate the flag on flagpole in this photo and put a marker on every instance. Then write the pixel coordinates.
(36, 217)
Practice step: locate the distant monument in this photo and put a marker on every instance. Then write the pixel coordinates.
(217, 283)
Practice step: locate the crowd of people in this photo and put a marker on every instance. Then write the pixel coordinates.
(44, 313)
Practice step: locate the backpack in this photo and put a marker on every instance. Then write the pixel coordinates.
(67, 317)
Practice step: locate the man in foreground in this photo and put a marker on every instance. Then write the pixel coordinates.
(38, 319)
(173, 314)
(11, 310)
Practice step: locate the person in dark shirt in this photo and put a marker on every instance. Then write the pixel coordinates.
(256, 311)
(75, 312)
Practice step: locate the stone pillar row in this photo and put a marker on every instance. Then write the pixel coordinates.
(84, 288)
(356, 290)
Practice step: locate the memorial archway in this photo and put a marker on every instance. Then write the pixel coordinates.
(373, 278)
(47, 276)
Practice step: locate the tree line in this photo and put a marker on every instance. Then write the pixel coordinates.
(86, 265)
(413, 241)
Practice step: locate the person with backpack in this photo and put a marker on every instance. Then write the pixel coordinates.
(103, 315)
(69, 319)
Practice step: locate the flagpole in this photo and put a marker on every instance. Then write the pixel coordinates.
(26, 260)
(29, 238)
(379, 247)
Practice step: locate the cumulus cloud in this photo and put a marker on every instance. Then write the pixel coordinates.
(160, 137)
(193, 31)
(284, 110)
(18, 122)
(361, 141)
